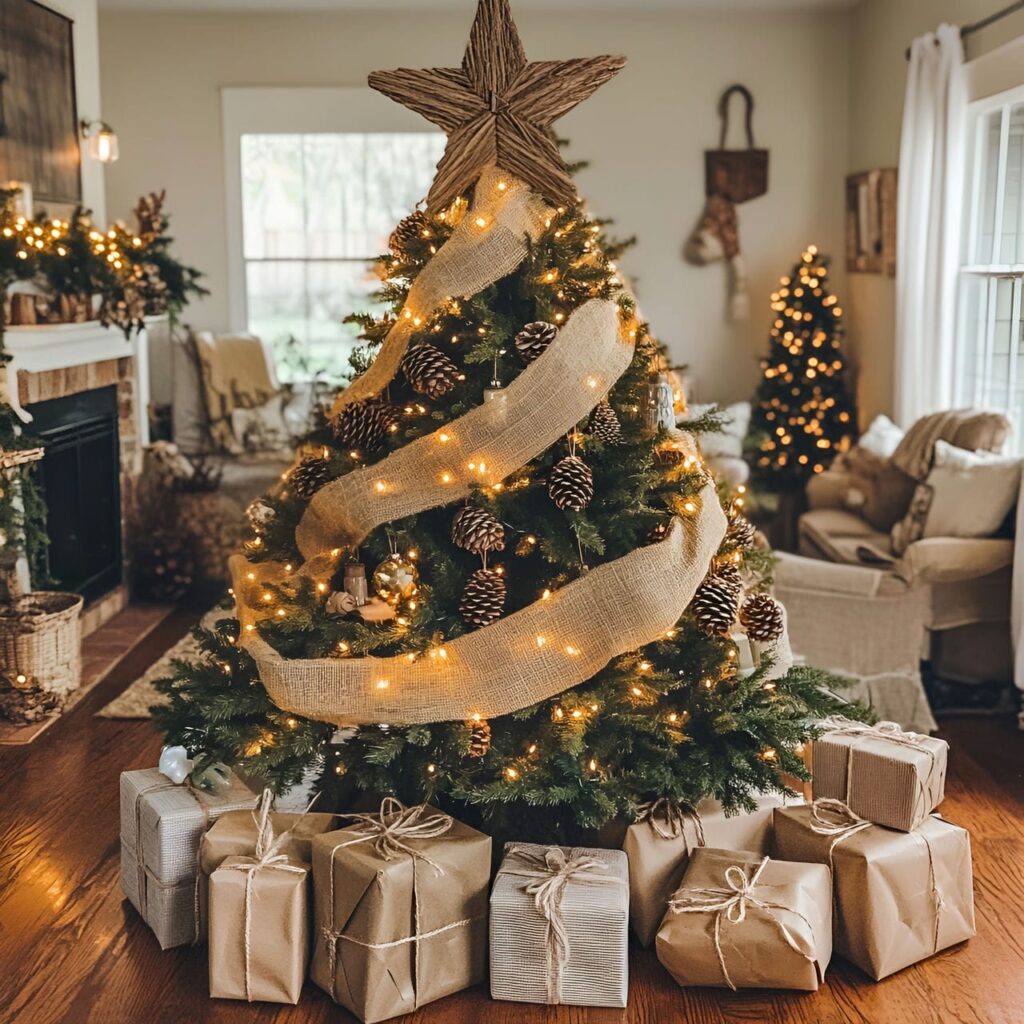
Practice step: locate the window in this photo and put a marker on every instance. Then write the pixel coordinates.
(316, 208)
(990, 346)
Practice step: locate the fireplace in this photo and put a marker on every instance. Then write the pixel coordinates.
(80, 478)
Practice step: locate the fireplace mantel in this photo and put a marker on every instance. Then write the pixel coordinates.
(48, 347)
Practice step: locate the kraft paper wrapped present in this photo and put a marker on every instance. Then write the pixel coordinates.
(559, 926)
(236, 834)
(888, 776)
(161, 827)
(899, 896)
(740, 920)
(659, 843)
(259, 928)
(400, 910)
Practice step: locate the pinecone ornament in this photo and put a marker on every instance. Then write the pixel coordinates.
(571, 484)
(532, 341)
(364, 425)
(761, 618)
(714, 606)
(429, 371)
(741, 532)
(309, 476)
(476, 530)
(604, 424)
(409, 229)
(479, 737)
(483, 597)
(729, 574)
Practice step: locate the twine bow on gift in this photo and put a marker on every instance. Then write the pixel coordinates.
(730, 903)
(268, 857)
(668, 819)
(552, 873)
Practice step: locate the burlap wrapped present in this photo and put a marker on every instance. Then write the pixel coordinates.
(259, 922)
(740, 920)
(161, 826)
(899, 896)
(401, 910)
(888, 776)
(559, 926)
(658, 845)
(236, 834)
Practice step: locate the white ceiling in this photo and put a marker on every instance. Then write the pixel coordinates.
(467, 5)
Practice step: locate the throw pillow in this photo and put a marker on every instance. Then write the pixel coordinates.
(972, 492)
(727, 442)
(881, 438)
(877, 491)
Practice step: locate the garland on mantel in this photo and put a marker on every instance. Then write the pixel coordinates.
(130, 268)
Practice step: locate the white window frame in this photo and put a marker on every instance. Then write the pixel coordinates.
(989, 266)
(292, 111)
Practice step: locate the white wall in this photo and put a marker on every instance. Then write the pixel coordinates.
(85, 37)
(881, 30)
(644, 132)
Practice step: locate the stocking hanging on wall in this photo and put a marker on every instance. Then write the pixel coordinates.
(731, 176)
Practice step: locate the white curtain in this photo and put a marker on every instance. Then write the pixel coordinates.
(928, 224)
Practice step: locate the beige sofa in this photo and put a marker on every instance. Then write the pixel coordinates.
(858, 608)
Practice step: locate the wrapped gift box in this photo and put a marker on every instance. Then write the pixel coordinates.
(888, 776)
(900, 896)
(586, 892)
(235, 835)
(782, 940)
(259, 929)
(161, 826)
(400, 921)
(658, 847)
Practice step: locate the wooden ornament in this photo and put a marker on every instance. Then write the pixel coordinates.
(498, 108)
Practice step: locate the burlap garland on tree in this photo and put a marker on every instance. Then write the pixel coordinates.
(475, 256)
(485, 445)
(616, 607)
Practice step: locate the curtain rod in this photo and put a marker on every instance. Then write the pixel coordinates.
(991, 19)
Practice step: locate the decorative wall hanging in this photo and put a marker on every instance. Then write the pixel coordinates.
(731, 176)
(871, 222)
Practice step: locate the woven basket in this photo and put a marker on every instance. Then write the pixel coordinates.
(40, 654)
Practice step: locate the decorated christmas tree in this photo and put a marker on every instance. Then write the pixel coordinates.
(803, 416)
(496, 577)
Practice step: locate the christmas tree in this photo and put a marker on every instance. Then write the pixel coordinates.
(804, 415)
(551, 615)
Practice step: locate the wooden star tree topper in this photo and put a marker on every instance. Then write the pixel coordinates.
(498, 108)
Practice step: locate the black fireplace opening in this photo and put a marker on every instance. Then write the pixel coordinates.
(80, 478)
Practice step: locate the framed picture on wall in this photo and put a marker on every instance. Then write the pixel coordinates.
(871, 222)
(38, 113)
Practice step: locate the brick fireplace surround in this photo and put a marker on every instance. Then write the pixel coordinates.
(57, 361)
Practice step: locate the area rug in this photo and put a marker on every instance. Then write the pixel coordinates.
(141, 695)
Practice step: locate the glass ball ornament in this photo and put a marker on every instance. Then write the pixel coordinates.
(396, 578)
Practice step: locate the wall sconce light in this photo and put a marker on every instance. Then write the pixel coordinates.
(102, 140)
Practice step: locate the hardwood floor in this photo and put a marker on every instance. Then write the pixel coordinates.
(73, 952)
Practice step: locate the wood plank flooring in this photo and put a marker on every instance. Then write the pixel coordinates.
(73, 952)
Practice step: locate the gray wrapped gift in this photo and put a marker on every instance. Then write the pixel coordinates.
(559, 922)
(161, 826)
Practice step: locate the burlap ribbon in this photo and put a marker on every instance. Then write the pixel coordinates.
(490, 241)
(482, 447)
(668, 819)
(267, 857)
(731, 902)
(890, 732)
(552, 873)
(834, 818)
(390, 832)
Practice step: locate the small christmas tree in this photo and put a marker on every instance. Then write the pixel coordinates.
(804, 414)
(556, 588)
